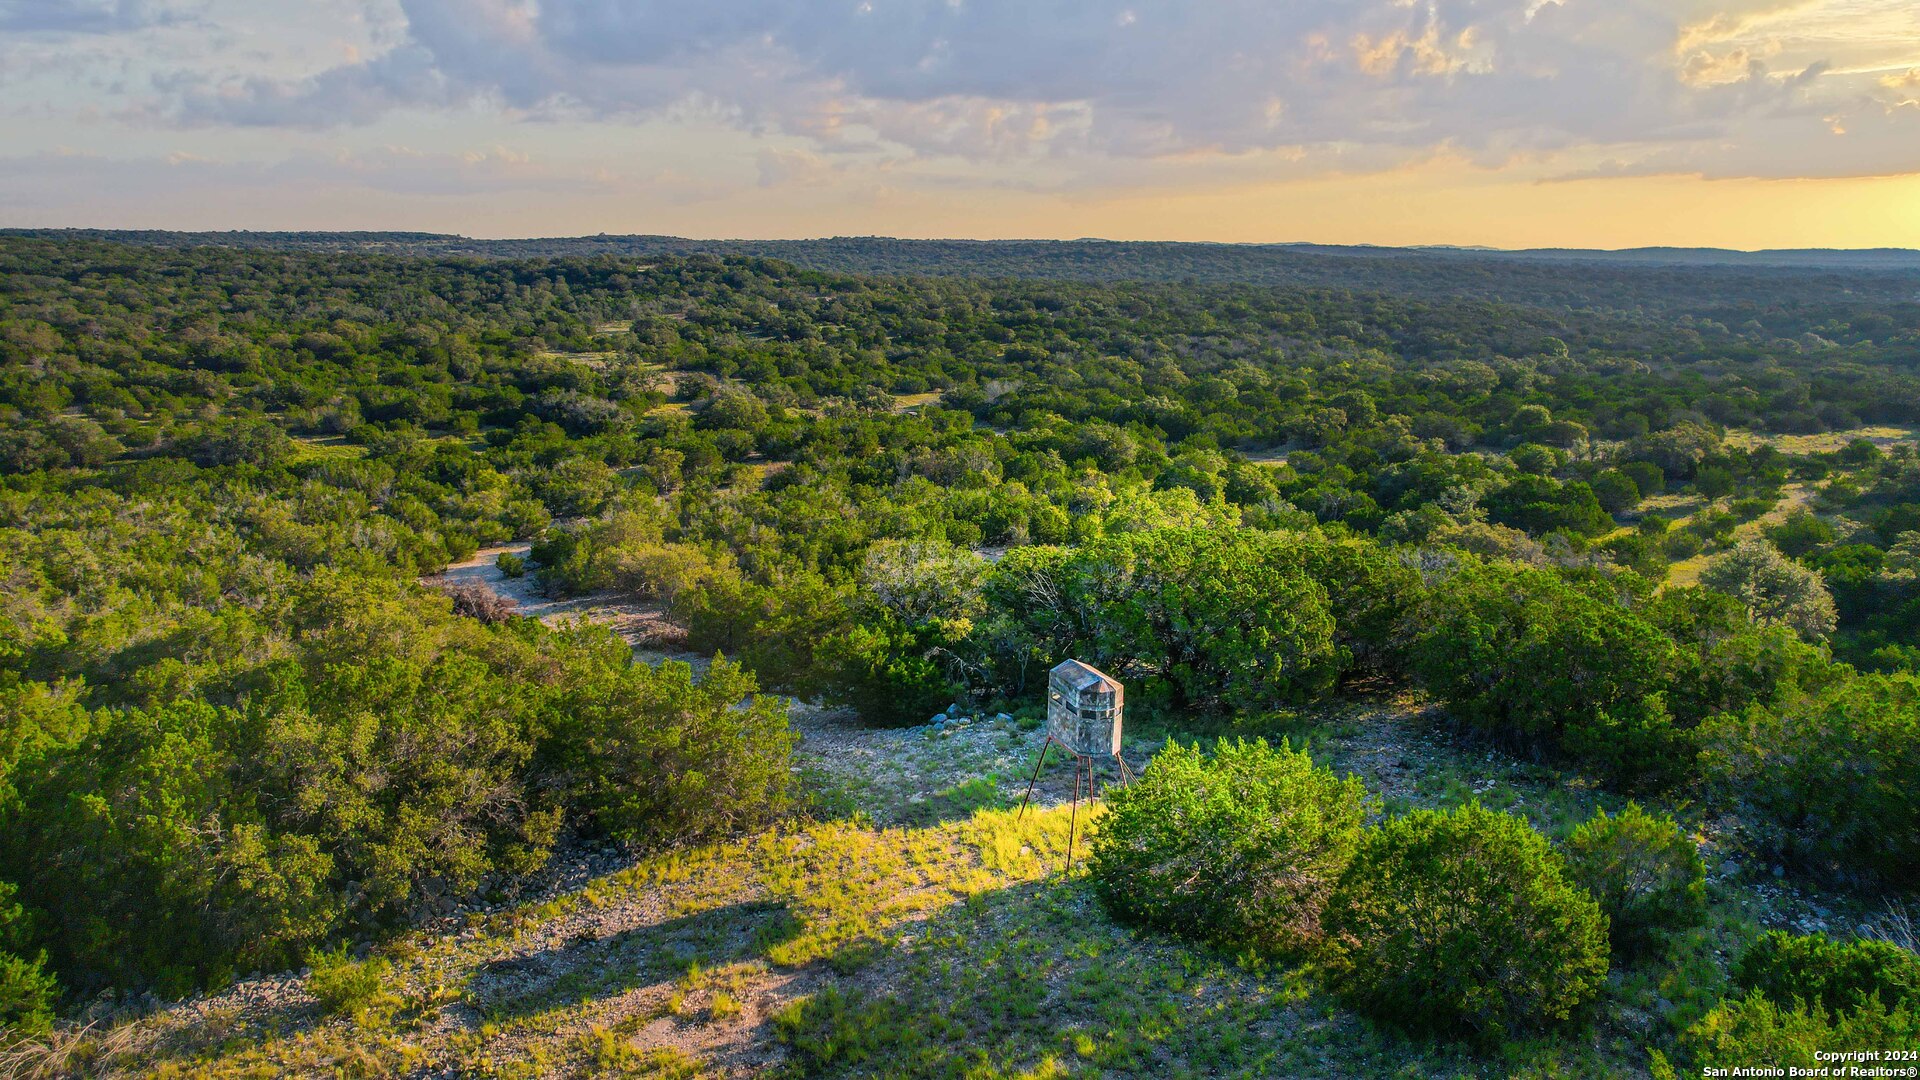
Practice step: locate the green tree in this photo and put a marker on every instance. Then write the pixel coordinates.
(1776, 590)
(1741, 1031)
(1715, 482)
(1534, 458)
(1834, 975)
(1616, 491)
(1801, 534)
(27, 992)
(1647, 478)
(652, 754)
(1208, 618)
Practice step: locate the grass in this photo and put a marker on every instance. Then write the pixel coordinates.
(346, 987)
(325, 448)
(908, 402)
(1794, 496)
(1826, 442)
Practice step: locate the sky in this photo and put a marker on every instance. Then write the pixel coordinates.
(1509, 123)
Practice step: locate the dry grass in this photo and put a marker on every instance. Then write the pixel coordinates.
(909, 402)
(325, 447)
(1827, 442)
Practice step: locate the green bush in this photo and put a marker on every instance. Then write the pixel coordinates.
(1463, 921)
(342, 985)
(399, 757)
(1830, 777)
(27, 992)
(1616, 491)
(891, 675)
(1545, 664)
(1755, 1030)
(1646, 476)
(1727, 663)
(1370, 588)
(1801, 534)
(27, 995)
(511, 565)
(1645, 873)
(1240, 850)
(658, 756)
(1828, 974)
(1804, 994)
(1209, 618)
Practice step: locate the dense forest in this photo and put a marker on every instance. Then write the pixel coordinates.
(1704, 282)
(1655, 527)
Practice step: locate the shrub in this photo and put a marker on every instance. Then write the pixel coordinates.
(892, 675)
(1463, 920)
(1205, 618)
(1222, 619)
(1801, 534)
(1645, 873)
(1756, 1030)
(1776, 590)
(1545, 664)
(1616, 491)
(1828, 974)
(654, 755)
(1369, 589)
(1831, 777)
(511, 565)
(27, 994)
(1240, 850)
(237, 441)
(1726, 663)
(344, 986)
(1646, 476)
(1804, 994)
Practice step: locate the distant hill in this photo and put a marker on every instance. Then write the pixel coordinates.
(1631, 279)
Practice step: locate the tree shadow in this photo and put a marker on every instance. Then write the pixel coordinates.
(1034, 980)
(591, 967)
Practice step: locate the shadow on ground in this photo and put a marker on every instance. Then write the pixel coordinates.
(591, 967)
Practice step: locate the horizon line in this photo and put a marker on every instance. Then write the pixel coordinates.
(1485, 249)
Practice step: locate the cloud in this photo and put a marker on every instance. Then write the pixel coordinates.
(83, 16)
(1742, 86)
(357, 93)
(996, 79)
(55, 178)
